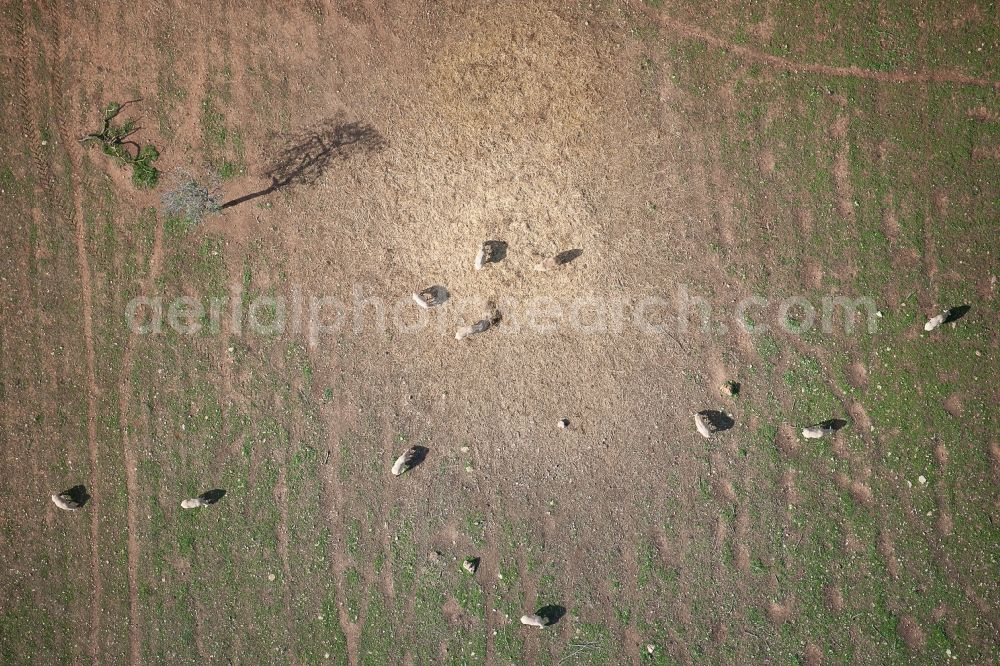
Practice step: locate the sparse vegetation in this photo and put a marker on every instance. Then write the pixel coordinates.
(717, 167)
(114, 141)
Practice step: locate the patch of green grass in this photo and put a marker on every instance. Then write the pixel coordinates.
(378, 643)
(470, 597)
(475, 527)
(228, 170)
(213, 125)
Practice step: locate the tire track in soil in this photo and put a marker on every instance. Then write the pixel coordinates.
(844, 191)
(72, 211)
(29, 130)
(341, 559)
(529, 589)
(571, 571)
(721, 202)
(942, 559)
(131, 476)
(157, 20)
(19, 380)
(281, 499)
(88, 336)
(723, 209)
(388, 498)
(368, 576)
(129, 455)
(30, 134)
(128, 449)
(630, 569)
(858, 413)
(943, 490)
(352, 629)
(725, 497)
(50, 46)
(717, 201)
(854, 409)
(489, 571)
(784, 64)
(930, 252)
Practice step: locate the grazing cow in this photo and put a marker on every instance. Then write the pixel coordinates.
(561, 259)
(431, 297)
(533, 621)
(493, 318)
(818, 431)
(410, 459)
(65, 502)
(936, 321)
(701, 423)
(207, 498)
(479, 327)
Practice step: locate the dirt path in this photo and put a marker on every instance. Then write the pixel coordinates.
(92, 389)
(131, 460)
(784, 64)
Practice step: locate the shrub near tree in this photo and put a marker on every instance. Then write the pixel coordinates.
(114, 141)
(190, 200)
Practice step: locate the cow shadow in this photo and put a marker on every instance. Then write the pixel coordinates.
(551, 613)
(419, 456)
(212, 496)
(78, 494)
(833, 424)
(717, 421)
(956, 313)
(567, 256)
(497, 250)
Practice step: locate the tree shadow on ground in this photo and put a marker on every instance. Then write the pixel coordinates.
(309, 153)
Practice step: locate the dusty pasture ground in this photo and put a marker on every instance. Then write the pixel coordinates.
(773, 150)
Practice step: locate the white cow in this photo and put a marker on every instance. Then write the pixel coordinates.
(407, 461)
(533, 621)
(65, 502)
(701, 423)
